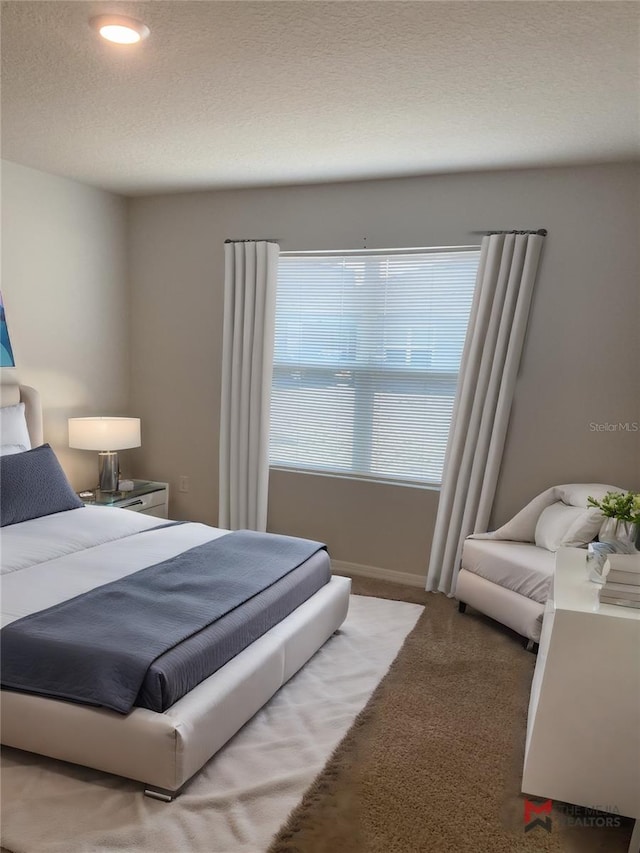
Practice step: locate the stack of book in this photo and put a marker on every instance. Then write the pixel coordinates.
(622, 580)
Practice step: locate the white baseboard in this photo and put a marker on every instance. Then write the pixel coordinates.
(378, 573)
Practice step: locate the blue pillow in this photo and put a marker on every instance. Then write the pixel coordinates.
(33, 484)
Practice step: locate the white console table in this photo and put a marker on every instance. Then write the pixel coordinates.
(583, 730)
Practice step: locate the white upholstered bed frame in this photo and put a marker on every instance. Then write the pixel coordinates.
(164, 750)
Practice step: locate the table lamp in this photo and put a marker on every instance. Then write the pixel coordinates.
(107, 436)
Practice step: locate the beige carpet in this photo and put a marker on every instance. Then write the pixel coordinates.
(242, 796)
(433, 764)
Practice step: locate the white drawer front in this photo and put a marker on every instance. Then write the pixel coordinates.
(145, 503)
(157, 511)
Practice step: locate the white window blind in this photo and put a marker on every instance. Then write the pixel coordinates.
(366, 358)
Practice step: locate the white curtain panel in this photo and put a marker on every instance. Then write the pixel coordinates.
(251, 269)
(488, 371)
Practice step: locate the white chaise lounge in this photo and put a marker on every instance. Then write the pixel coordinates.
(507, 574)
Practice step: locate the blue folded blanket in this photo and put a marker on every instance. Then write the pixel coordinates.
(96, 648)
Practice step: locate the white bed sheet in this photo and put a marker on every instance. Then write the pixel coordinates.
(52, 536)
(49, 560)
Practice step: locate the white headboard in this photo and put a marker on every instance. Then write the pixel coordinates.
(11, 393)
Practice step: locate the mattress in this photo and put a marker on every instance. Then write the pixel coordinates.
(519, 566)
(48, 560)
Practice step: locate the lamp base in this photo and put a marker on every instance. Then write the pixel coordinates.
(109, 470)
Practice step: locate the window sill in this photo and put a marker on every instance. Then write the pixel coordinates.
(429, 487)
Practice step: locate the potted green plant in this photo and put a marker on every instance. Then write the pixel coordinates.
(621, 527)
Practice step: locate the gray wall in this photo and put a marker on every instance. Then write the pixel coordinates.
(64, 282)
(579, 366)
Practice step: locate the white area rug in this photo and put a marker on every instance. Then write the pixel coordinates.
(243, 795)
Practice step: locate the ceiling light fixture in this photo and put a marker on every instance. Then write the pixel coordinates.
(120, 29)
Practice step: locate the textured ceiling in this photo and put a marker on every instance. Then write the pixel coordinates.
(255, 93)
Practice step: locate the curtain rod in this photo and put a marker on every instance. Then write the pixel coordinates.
(542, 232)
(256, 240)
(388, 251)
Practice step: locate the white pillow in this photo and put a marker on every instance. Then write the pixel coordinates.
(560, 525)
(9, 449)
(13, 426)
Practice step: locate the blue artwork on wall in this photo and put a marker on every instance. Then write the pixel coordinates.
(6, 353)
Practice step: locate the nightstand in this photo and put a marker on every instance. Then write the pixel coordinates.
(147, 497)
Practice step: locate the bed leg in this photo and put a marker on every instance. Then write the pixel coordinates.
(161, 794)
(531, 646)
(462, 606)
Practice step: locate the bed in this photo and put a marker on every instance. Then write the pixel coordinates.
(50, 560)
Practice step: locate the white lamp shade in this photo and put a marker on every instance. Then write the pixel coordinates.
(104, 433)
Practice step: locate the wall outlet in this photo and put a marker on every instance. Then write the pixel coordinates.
(183, 485)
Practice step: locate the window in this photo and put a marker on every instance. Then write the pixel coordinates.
(366, 359)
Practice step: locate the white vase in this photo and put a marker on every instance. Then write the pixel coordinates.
(622, 536)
